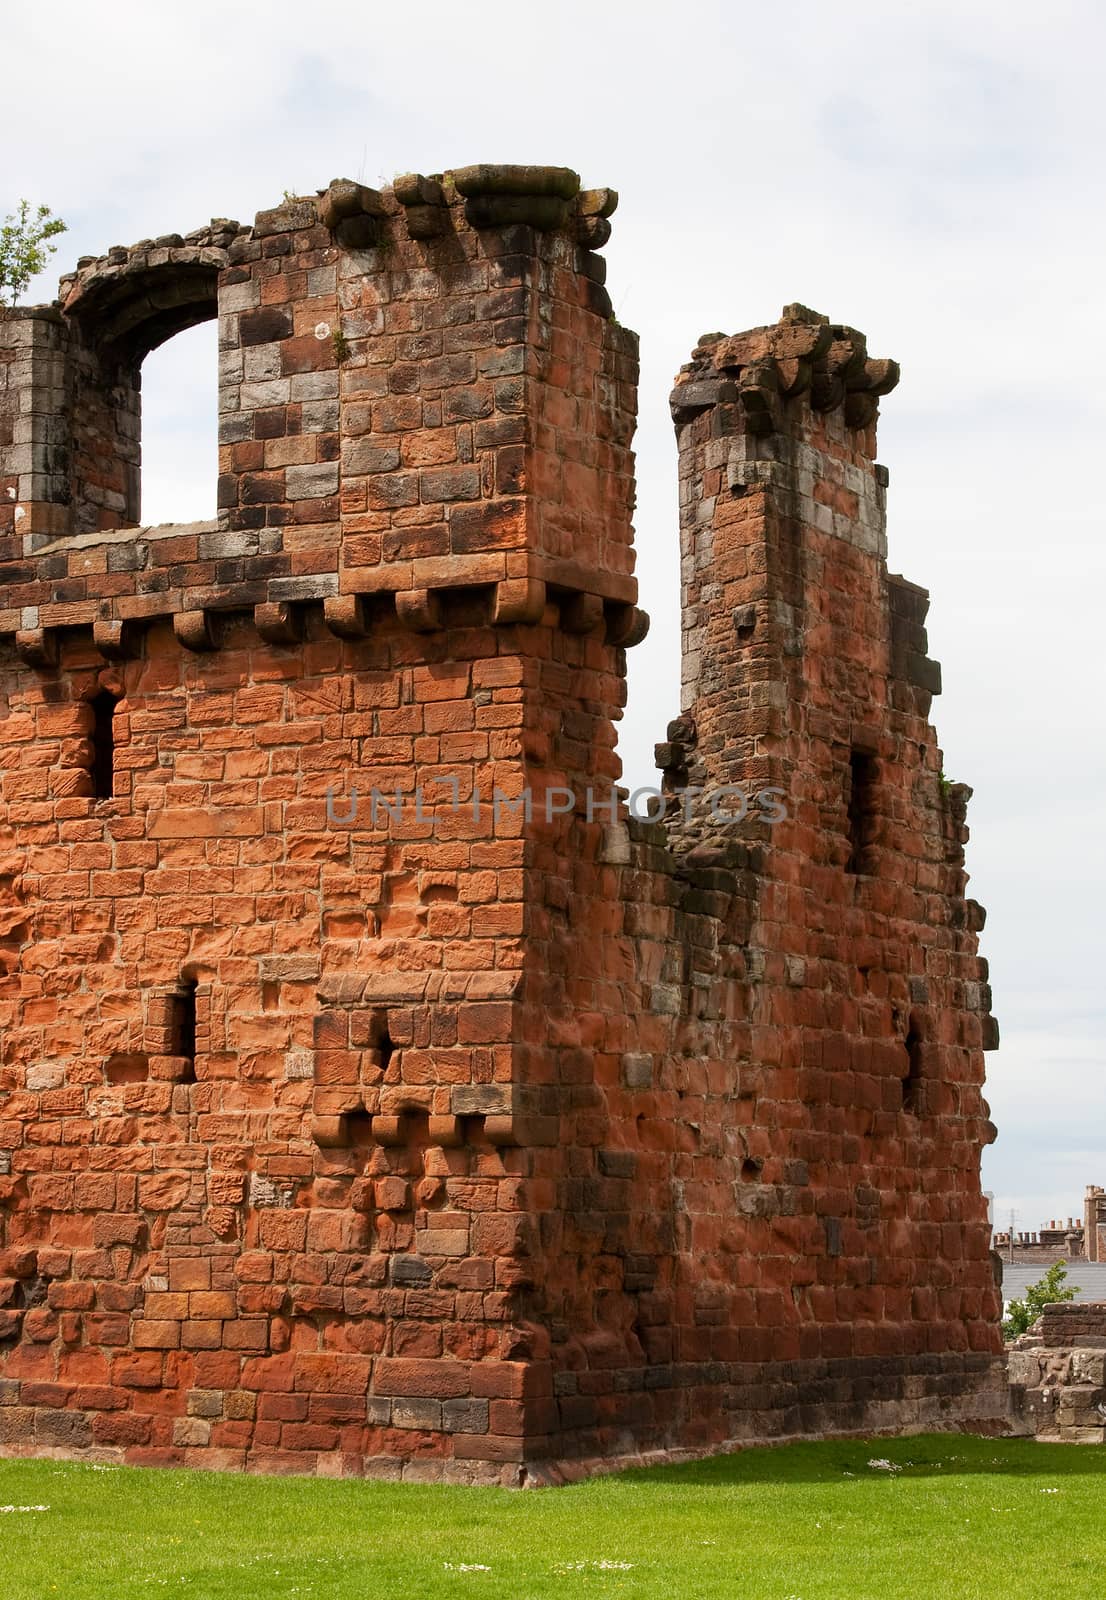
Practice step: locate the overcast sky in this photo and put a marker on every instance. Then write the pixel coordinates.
(930, 173)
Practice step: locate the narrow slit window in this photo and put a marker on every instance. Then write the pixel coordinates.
(912, 1082)
(183, 1025)
(863, 771)
(103, 745)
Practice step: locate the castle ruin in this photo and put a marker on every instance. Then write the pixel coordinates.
(376, 1094)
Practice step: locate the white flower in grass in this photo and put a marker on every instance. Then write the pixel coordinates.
(465, 1566)
(24, 1508)
(881, 1464)
(563, 1568)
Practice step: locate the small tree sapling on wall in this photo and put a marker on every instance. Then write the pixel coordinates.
(1021, 1314)
(25, 248)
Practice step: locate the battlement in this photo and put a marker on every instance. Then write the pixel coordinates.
(422, 397)
(803, 355)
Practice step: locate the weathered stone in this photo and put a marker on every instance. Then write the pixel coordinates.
(559, 182)
(345, 200)
(420, 1099)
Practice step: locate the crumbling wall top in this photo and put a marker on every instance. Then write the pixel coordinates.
(801, 354)
(421, 390)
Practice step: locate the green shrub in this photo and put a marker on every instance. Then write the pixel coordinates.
(25, 248)
(1049, 1289)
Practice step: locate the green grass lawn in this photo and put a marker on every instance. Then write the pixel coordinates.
(978, 1519)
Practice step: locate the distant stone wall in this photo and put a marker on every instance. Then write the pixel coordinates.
(1058, 1374)
(1071, 1323)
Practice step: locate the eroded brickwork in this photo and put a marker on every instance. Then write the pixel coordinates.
(343, 1130)
(782, 1228)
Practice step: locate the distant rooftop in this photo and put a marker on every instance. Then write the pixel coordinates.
(1088, 1278)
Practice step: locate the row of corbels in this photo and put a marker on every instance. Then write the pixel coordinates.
(514, 601)
(443, 1132)
(545, 198)
(281, 622)
(803, 353)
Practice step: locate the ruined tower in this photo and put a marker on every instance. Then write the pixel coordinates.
(373, 1087)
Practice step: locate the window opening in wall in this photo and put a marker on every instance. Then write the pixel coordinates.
(179, 428)
(912, 1082)
(863, 770)
(103, 744)
(183, 1026)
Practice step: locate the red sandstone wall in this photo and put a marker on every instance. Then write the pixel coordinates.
(765, 1213)
(307, 1245)
(504, 1140)
(167, 1239)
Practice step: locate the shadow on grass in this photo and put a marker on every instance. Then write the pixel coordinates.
(922, 1455)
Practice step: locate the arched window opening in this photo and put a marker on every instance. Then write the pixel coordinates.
(122, 308)
(179, 451)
